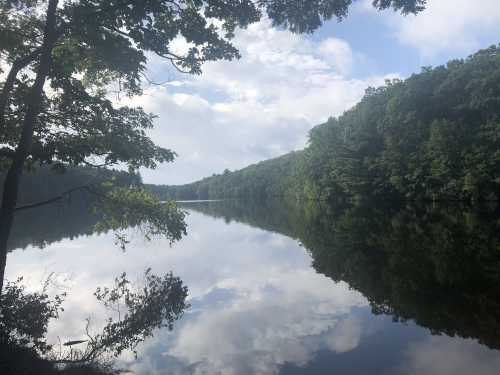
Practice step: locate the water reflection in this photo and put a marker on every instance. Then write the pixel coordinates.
(304, 289)
(47, 224)
(134, 313)
(439, 266)
(131, 310)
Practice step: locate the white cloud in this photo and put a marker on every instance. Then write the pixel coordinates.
(338, 53)
(449, 26)
(258, 335)
(240, 112)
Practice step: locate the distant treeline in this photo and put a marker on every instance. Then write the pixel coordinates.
(433, 136)
(265, 179)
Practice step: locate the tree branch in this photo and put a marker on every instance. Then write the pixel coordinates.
(54, 199)
(87, 186)
(17, 66)
(172, 57)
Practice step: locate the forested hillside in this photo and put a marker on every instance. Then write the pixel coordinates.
(269, 178)
(435, 135)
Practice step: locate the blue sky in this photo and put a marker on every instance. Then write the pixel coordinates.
(237, 113)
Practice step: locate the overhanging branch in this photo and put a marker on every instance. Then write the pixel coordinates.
(88, 186)
(56, 199)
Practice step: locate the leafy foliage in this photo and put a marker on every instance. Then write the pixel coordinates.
(101, 201)
(423, 138)
(405, 6)
(125, 207)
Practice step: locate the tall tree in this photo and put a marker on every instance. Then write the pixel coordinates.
(63, 55)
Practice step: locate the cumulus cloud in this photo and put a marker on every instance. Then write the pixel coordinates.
(259, 336)
(338, 53)
(448, 26)
(240, 112)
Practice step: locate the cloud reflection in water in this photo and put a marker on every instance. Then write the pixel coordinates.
(258, 307)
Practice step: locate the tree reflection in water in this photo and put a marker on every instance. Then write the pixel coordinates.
(135, 311)
(436, 265)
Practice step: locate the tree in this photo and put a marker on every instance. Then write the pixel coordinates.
(63, 56)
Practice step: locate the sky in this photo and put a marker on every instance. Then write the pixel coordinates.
(263, 105)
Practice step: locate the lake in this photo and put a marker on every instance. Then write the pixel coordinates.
(276, 288)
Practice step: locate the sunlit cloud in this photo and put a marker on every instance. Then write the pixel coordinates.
(261, 106)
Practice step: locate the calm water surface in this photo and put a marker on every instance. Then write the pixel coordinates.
(282, 290)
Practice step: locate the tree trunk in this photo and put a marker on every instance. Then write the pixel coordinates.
(34, 101)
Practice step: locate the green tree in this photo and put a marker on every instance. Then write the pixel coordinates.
(63, 55)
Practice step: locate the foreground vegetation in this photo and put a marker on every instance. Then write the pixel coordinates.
(434, 136)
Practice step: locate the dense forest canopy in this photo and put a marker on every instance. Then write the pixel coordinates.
(433, 136)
